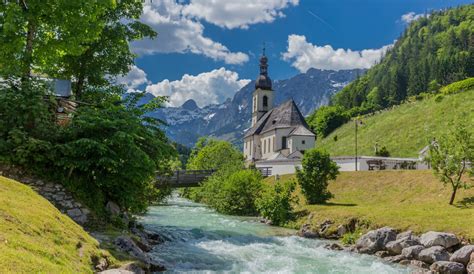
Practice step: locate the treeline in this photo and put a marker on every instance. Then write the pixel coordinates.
(106, 150)
(434, 51)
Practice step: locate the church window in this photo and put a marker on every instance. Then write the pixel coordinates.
(268, 143)
(265, 101)
(254, 103)
(283, 142)
(303, 142)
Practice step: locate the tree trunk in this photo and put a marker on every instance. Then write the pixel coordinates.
(30, 37)
(453, 195)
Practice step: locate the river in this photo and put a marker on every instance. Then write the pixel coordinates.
(203, 241)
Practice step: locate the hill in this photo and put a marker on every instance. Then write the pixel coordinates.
(404, 200)
(229, 120)
(36, 238)
(404, 129)
(435, 50)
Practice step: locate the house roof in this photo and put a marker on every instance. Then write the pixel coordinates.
(301, 131)
(283, 116)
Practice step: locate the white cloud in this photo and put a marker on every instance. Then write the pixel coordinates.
(305, 55)
(133, 79)
(206, 88)
(178, 33)
(412, 16)
(237, 14)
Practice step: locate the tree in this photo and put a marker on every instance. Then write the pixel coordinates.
(318, 170)
(451, 157)
(214, 154)
(326, 119)
(110, 53)
(35, 34)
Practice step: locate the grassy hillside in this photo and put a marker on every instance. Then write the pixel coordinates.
(36, 238)
(404, 129)
(401, 199)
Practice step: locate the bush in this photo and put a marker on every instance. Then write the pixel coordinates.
(276, 202)
(460, 86)
(326, 119)
(382, 152)
(318, 169)
(233, 193)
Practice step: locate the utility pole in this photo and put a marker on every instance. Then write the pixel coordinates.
(356, 152)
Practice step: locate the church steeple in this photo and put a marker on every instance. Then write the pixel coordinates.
(263, 81)
(263, 94)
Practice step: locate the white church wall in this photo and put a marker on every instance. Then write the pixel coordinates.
(299, 143)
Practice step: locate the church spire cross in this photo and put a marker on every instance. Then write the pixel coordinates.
(263, 81)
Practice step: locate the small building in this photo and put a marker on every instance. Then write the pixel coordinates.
(278, 133)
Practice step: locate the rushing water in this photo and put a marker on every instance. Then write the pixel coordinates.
(201, 240)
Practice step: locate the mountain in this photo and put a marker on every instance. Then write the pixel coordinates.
(229, 120)
(433, 51)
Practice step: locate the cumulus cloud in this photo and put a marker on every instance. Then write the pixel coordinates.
(206, 88)
(237, 14)
(179, 33)
(411, 16)
(133, 79)
(305, 55)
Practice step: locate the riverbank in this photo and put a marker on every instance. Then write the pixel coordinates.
(404, 200)
(35, 237)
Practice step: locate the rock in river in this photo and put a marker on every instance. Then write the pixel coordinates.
(375, 240)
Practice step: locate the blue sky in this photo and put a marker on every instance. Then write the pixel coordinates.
(217, 42)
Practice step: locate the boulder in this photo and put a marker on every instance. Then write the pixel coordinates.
(116, 271)
(307, 232)
(375, 240)
(341, 230)
(445, 240)
(382, 254)
(126, 244)
(470, 265)
(395, 259)
(433, 254)
(112, 208)
(418, 264)
(405, 234)
(445, 267)
(333, 246)
(396, 247)
(412, 252)
(133, 267)
(463, 255)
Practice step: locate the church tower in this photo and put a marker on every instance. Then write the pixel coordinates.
(262, 99)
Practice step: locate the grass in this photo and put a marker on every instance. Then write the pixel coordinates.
(405, 129)
(404, 200)
(36, 238)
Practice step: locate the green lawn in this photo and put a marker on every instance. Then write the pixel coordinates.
(404, 130)
(36, 238)
(401, 199)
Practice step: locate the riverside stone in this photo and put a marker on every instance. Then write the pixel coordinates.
(127, 245)
(445, 267)
(443, 239)
(405, 234)
(463, 255)
(395, 259)
(433, 254)
(396, 247)
(341, 230)
(112, 208)
(375, 240)
(412, 252)
(306, 232)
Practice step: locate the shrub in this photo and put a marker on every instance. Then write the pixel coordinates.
(438, 98)
(460, 86)
(318, 169)
(382, 152)
(276, 202)
(233, 193)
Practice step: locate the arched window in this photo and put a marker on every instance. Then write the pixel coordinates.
(265, 101)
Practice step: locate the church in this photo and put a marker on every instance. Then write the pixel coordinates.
(277, 133)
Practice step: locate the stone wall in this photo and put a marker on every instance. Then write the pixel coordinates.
(55, 193)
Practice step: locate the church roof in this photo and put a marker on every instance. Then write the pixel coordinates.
(284, 116)
(301, 131)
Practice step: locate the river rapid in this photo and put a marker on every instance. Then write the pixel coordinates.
(203, 241)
